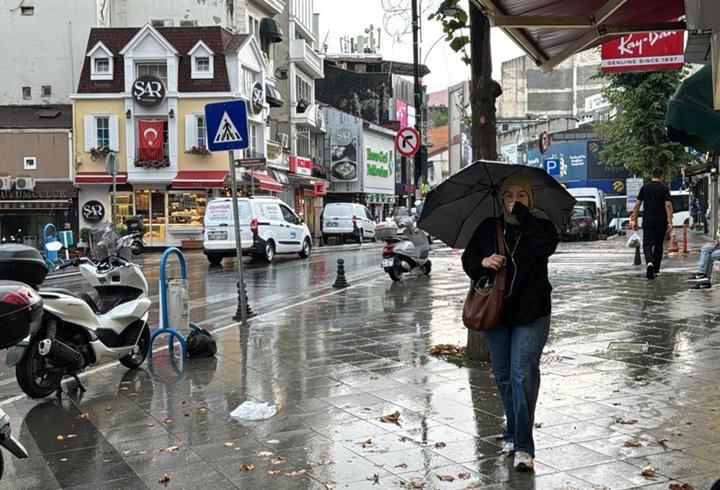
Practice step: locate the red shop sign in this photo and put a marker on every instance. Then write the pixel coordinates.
(300, 165)
(645, 51)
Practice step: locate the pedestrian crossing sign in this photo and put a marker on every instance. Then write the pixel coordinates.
(227, 125)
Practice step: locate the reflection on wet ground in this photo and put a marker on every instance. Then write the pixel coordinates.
(627, 360)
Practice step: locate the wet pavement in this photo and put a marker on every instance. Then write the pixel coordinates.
(628, 360)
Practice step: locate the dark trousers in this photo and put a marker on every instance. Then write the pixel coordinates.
(653, 239)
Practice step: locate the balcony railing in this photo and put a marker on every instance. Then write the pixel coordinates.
(275, 6)
(302, 54)
(152, 157)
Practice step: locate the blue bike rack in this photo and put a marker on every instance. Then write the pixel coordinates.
(165, 328)
(49, 238)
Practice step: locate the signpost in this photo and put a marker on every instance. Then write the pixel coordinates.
(227, 130)
(633, 189)
(111, 167)
(407, 141)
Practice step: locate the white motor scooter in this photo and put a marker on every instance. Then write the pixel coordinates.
(407, 247)
(79, 331)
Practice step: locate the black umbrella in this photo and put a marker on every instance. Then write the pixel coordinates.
(454, 209)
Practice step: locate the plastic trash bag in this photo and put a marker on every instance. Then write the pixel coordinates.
(634, 241)
(250, 410)
(200, 344)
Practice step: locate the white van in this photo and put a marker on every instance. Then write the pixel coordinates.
(345, 219)
(594, 199)
(681, 211)
(267, 227)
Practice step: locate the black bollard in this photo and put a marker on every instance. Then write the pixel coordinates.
(638, 260)
(341, 281)
(238, 313)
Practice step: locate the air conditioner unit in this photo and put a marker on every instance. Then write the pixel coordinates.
(24, 183)
(6, 183)
(284, 140)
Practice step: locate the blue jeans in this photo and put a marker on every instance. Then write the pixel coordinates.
(708, 253)
(515, 353)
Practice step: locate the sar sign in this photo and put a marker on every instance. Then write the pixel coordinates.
(148, 91)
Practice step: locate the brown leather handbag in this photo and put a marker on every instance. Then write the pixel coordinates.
(485, 300)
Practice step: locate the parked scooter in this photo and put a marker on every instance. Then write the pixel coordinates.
(407, 247)
(78, 331)
(8, 442)
(136, 230)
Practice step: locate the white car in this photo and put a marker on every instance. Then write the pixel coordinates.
(267, 227)
(344, 219)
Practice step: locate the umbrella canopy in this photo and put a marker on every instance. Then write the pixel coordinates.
(690, 117)
(454, 209)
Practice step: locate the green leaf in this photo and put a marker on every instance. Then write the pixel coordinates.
(459, 42)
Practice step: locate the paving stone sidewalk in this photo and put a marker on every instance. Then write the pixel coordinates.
(628, 360)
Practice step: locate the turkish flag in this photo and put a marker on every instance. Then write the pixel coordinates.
(151, 139)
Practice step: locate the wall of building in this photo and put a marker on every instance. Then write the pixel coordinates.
(49, 148)
(214, 161)
(47, 48)
(83, 161)
(131, 13)
(527, 91)
(366, 95)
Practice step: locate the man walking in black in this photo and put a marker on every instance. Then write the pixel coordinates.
(657, 219)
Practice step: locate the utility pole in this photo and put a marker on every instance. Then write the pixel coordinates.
(419, 171)
(483, 92)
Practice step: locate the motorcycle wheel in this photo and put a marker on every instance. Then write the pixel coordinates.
(135, 359)
(32, 375)
(395, 272)
(426, 268)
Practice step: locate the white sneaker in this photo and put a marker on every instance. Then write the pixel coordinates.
(508, 449)
(523, 461)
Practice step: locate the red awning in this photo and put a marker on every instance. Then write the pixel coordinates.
(200, 179)
(266, 182)
(99, 178)
(551, 31)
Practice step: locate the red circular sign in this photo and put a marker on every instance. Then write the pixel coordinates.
(407, 141)
(544, 141)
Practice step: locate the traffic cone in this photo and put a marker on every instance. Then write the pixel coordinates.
(673, 247)
(638, 260)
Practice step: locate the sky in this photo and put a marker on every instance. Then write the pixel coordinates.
(340, 18)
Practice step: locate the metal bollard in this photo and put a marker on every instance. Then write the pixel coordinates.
(638, 260)
(238, 313)
(341, 281)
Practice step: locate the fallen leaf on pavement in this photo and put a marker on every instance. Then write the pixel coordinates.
(273, 472)
(475, 484)
(164, 479)
(83, 415)
(403, 439)
(247, 466)
(108, 409)
(375, 479)
(149, 424)
(273, 441)
(446, 350)
(183, 402)
(265, 454)
(663, 442)
(392, 317)
(167, 420)
(142, 451)
(401, 465)
(538, 425)
(278, 460)
(63, 459)
(417, 482)
(464, 476)
(632, 443)
(624, 421)
(172, 449)
(648, 472)
(296, 472)
(229, 444)
(71, 436)
(60, 437)
(366, 444)
(446, 478)
(440, 445)
(681, 486)
(330, 485)
(392, 418)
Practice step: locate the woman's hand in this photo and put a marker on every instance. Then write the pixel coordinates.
(495, 262)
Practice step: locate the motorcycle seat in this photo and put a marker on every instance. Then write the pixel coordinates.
(82, 296)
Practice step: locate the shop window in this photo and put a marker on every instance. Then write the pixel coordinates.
(30, 163)
(186, 208)
(103, 131)
(27, 93)
(123, 207)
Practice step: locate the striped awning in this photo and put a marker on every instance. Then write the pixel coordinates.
(200, 179)
(99, 178)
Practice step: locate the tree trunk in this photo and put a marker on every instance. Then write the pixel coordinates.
(484, 90)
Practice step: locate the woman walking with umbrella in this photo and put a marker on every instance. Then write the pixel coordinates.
(530, 205)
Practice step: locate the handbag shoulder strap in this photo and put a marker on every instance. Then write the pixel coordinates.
(500, 240)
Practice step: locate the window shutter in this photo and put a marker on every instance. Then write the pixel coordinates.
(90, 132)
(114, 134)
(190, 131)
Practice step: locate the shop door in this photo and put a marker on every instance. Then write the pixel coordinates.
(152, 206)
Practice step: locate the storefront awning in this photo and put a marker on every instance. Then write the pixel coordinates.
(99, 178)
(281, 177)
(266, 182)
(270, 30)
(200, 179)
(551, 31)
(273, 97)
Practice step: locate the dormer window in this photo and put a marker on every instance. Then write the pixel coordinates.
(202, 61)
(101, 62)
(102, 65)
